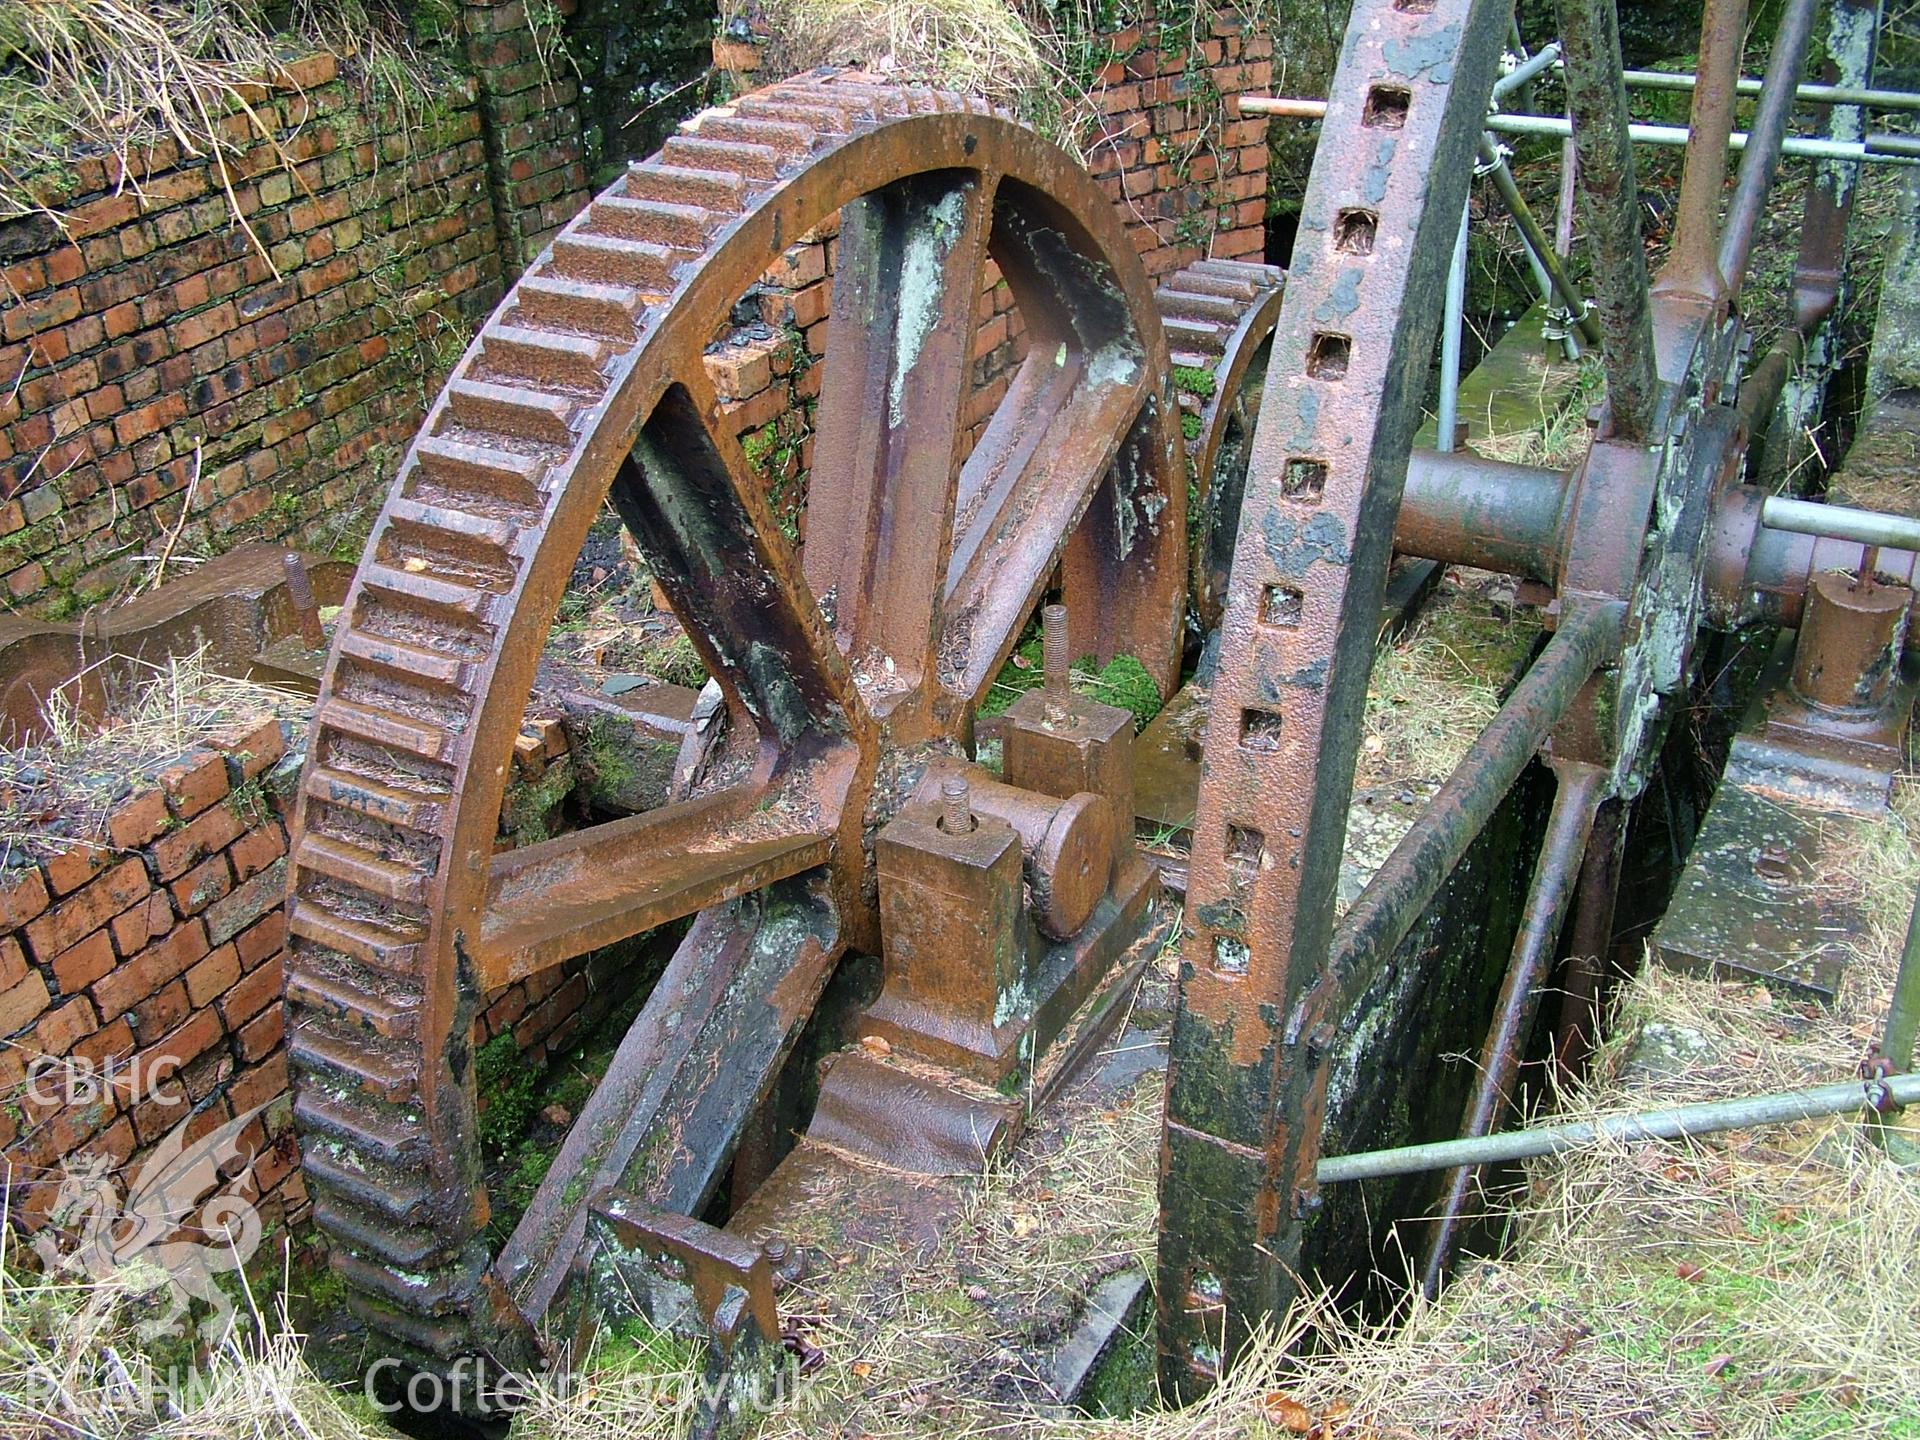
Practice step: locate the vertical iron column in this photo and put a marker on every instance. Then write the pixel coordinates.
(1762, 156)
(1610, 205)
(1342, 402)
(1692, 265)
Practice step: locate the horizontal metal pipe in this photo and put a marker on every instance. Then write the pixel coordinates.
(1840, 522)
(1709, 1118)
(1462, 509)
(1878, 149)
(1412, 875)
(1530, 69)
(1875, 149)
(1806, 94)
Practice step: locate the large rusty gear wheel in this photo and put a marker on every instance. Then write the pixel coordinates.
(918, 574)
(1219, 317)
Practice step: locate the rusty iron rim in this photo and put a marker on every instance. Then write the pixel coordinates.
(587, 381)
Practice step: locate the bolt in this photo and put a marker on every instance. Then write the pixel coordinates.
(956, 813)
(1774, 865)
(1053, 647)
(300, 592)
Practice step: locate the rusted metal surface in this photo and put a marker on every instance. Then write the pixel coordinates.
(1581, 789)
(1310, 566)
(1692, 266)
(232, 610)
(844, 671)
(1419, 865)
(1762, 156)
(1219, 317)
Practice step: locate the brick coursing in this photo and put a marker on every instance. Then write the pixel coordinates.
(165, 362)
(529, 96)
(140, 976)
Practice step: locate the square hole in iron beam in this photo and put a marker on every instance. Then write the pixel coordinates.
(1230, 956)
(1328, 355)
(1353, 231)
(1386, 107)
(1304, 479)
(1282, 605)
(1245, 846)
(1260, 729)
(1414, 7)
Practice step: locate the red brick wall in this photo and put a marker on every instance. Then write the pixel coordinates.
(152, 957)
(154, 325)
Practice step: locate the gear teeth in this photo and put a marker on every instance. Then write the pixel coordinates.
(681, 227)
(790, 141)
(480, 405)
(395, 951)
(582, 307)
(722, 190)
(545, 360)
(756, 162)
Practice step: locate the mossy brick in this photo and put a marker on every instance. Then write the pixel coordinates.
(162, 961)
(249, 903)
(76, 968)
(202, 885)
(23, 1003)
(160, 1011)
(69, 870)
(88, 909)
(174, 854)
(64, 1026)
(214, 976)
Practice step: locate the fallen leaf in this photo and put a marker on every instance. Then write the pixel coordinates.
(1717, 1364)
(1288, 1413)
(861, 1369)
(1688, 1271)
(1786, 1215)
(876, 1045)
(1024, 1225)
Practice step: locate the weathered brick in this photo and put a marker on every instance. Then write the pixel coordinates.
(60, 1028)
(23, 896)
(256, 850)
(261, 942)
(259, 1085)
(159, 1012)
(71, 869)
(213, 976)
(212, 830)
(138, 819)
(160, 962)
(259, 1036)
(202, 885)
(251, 995)
(79, 967)
(195, 782)
(182, 1046)
(249, 903)
(13, 963)
(88, 909)
(23, 1004)
(135, 927)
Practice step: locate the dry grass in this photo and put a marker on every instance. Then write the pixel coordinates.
(979, 47)
(71, 1366)
(113, 76)
(1436, 686)
(59, 791)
